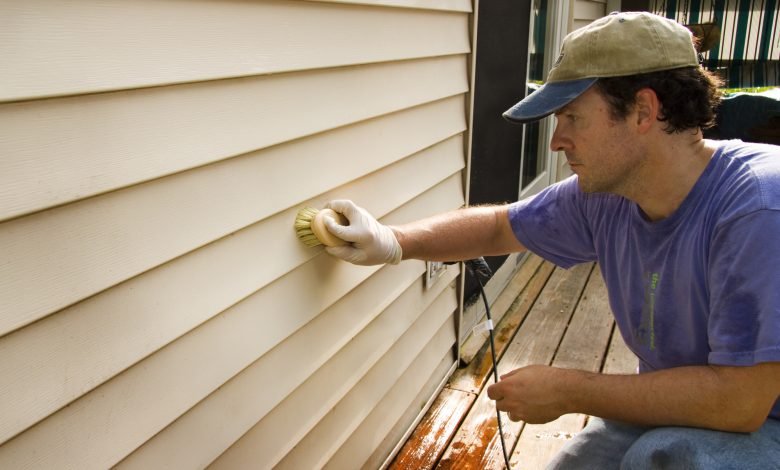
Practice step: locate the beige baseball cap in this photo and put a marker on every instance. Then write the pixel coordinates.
(620, 44)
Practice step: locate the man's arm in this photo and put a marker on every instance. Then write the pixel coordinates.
(453, 236)
(459, 235)
(736, 399)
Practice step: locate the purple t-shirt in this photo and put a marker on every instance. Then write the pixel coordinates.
(699, 287)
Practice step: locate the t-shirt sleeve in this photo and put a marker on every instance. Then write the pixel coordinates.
(553, 225)
(744, 279)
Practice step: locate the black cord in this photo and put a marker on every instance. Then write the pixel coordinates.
(479, 269)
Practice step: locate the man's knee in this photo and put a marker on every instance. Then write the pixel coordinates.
(692, 448)
(663, 448)
(598, 446)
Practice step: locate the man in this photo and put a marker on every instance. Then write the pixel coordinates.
(686, 232)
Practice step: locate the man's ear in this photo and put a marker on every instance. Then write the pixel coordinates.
(648, 109)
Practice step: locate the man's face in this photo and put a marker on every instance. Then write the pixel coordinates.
(602, 152)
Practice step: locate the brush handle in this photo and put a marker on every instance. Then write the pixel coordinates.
(322, 233)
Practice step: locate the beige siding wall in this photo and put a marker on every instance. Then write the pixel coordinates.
(156, 309)
(584, 12)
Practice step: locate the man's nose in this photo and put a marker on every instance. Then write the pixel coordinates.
(557, 143)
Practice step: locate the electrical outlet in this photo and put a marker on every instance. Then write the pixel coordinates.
(433, 271)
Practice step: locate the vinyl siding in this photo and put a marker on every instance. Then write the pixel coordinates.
(157, 309)
(585, 11)
(57, 48)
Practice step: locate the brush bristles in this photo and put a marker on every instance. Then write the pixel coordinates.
(303, 226)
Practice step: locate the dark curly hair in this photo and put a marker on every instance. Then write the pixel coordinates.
(689, 96)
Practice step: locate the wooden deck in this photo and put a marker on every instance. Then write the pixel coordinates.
(555, 316)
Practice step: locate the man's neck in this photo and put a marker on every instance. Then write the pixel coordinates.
(675, 163)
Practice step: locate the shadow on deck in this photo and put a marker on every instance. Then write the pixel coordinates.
(556, 316)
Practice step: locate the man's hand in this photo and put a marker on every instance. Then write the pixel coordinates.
(532, 394)
(724, 398)
(370, 242)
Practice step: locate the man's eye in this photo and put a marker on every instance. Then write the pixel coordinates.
(568, 117)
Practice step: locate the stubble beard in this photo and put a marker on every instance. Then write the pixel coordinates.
(623, 179)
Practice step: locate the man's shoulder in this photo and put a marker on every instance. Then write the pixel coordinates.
(750, 171)
(756, 157)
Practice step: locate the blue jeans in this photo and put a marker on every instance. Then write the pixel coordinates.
(607, 444)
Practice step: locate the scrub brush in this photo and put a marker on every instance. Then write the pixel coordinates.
(311, 230)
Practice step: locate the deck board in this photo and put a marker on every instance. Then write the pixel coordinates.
(425, 446)
(620, 359)
(476, 444)
(561, 317)
(584, 347)
(472, 378)
(506, 302)
(430, 439)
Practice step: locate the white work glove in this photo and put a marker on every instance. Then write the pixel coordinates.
(369, 241)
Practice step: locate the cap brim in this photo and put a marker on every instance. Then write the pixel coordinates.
(546, 100)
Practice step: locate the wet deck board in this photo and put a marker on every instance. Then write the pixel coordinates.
(562, 318)
(477, 445)
(428, 442)
(424, 447)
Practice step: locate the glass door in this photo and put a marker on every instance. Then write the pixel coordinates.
(549, 20)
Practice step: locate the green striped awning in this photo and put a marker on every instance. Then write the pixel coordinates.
(748, 52)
